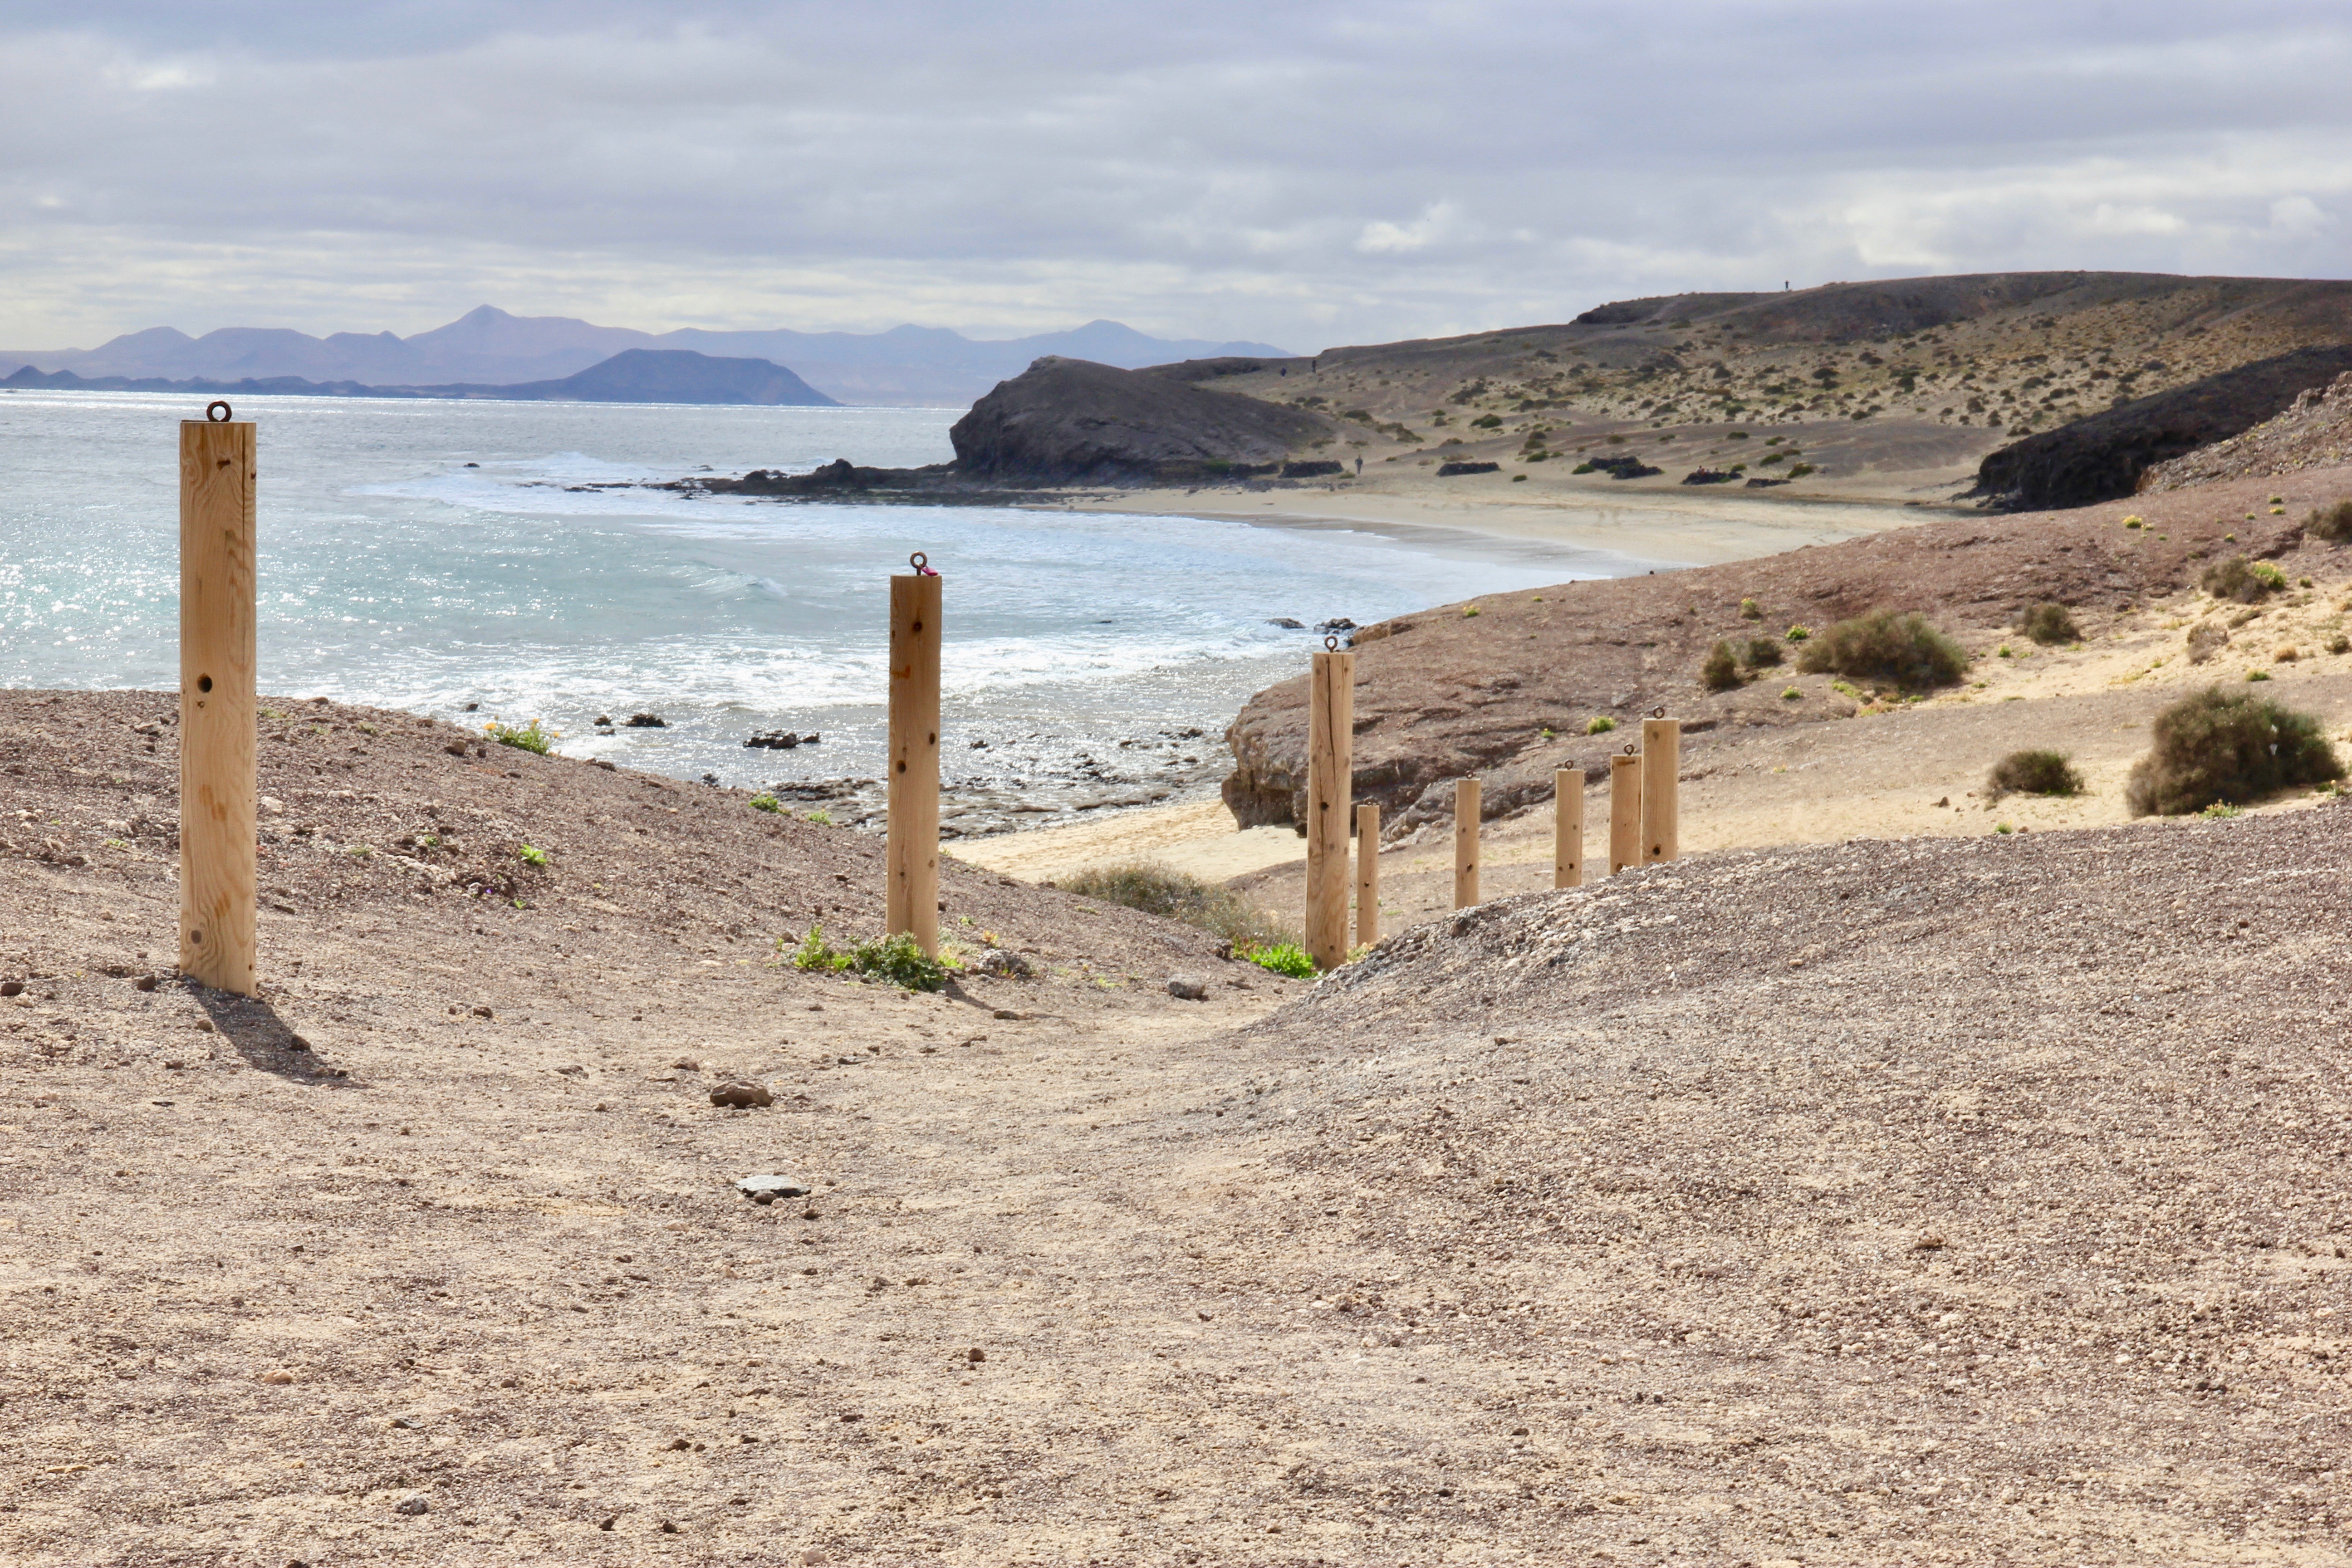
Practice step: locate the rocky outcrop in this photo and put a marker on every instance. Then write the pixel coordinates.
(2102, 458)
(1066, 421)
(2316, 432)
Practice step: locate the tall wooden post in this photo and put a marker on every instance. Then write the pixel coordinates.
(1465, 842)
(1662, 762)
(1330, 782)
(1625, 811)
(912, 901)
(1568, 828)
(1368, 875)
(217, 780)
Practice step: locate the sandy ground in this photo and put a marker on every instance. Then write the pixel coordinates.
(1688, 527)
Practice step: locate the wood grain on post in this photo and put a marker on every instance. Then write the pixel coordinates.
(1330, 784)
(1368, 875)
(913, 851)
(1624, 811)
(1662, 764)
(1465, 842)
(1568, 828)
(218, 781)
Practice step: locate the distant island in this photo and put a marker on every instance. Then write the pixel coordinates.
(906, 366)
(632, 376)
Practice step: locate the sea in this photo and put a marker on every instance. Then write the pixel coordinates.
(487, 561)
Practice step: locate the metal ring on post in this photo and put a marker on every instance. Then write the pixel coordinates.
(222, 418)
(921, 564)
(1330, 642)
(1631, 750)
(1659, 711)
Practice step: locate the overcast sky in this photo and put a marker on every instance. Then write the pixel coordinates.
(1306, 173)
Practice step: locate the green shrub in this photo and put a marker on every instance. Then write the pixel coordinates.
(1750, 611)
(900, 960)
(2227, 748)
(2049, 624)
(763, 801)
(531, 737)
(1600, 724)
(1799, 634)
(1799, 470)
(1763, 653)
(2330, 524)
(1790, 694)
(1286, 958)
(1901, 650)
(1174, 895)
(2236, 578)
(1721, 670)
(816, 953)
(2034, 772)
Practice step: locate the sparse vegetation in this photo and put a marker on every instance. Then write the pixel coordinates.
(532, 856)
(531, 737)
(899, 960)
(2330, 524)
(1762, 653)
(2243, 581)
(1903, 650)
(1600, 724)
(1174, 895)
(1750, 611)
(763, 801)
(1284, 958)
(2034, 772)
(2229, 748)
(1790, 694)
(2049, 623)
(1799, 634)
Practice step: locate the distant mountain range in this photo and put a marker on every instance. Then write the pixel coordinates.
(632, 376)
(486, 346)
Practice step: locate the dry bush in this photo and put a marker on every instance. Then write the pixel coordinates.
(2034, 772)
(2049, 624)
(2238, 579)
(1763, 653)
(1176, 895)
(2330, 524)
(1901, 650)
(1721, 670)
(2207, 638)
(2229, 748)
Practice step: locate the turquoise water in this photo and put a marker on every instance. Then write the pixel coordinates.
(394, 570)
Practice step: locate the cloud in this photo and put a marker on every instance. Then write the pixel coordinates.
(1309, 173)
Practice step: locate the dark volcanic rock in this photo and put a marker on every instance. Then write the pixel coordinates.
(1067, 421)
(2102, 458)
(1447, 471)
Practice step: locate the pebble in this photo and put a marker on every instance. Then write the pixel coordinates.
(411, 1505)
(278, 1377)
(1007, 1013)
(765, 1189)
(1185, 988)
(203, 1025)
(739, 1095)
(12, 988)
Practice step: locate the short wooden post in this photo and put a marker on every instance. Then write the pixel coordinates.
(1662, 762)
(1330, 782)
(1368, 875)
(1625, 811)
(217, 681)
(1465, 842)
(1568, 828)
(912, 900)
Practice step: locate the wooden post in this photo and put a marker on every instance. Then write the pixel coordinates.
(1662, 762)
(218, 781)
(1465, 842)
(1625, 811)
(1368, 875)
(1330, 782)
(1568, 828)
(913, 896)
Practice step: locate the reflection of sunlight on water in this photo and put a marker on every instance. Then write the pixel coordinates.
(393, 574)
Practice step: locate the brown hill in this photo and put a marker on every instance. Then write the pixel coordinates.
(1065, 421)
(1506, 688)
(2313, 432)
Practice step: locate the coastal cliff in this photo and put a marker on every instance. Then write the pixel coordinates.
(1068, 421)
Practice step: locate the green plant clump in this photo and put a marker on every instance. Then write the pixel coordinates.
(1174, 895)
(763, 801)
(2237, 579)
(2229, 748)
(1285, 958)
(1763, 653)
(1600, 724)
(900, 960)
(1721, 670)
(2034, 772)
(1903, 650)
(2049, 624)
(532, 856)
(1799, 634)
(531, 737)
(1750, 611)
